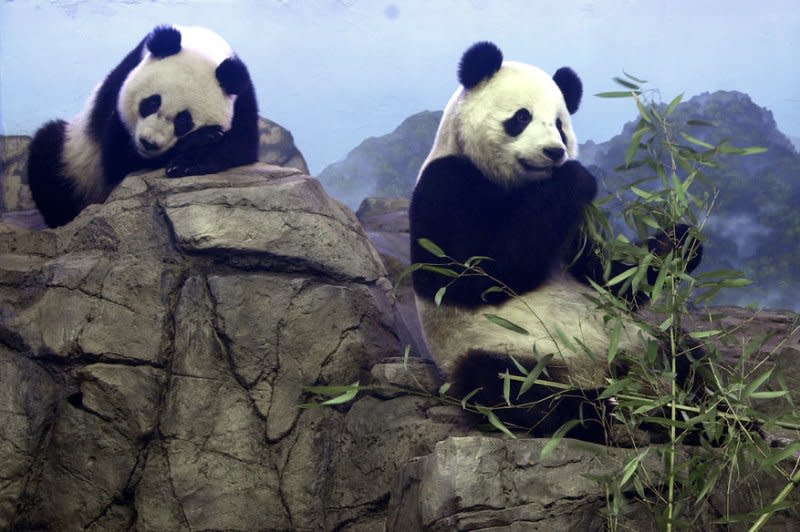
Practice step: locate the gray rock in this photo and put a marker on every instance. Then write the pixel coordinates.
(154, 353)
(276, 147)
(14, 192)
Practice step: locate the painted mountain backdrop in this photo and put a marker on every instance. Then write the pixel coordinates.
(754, 227)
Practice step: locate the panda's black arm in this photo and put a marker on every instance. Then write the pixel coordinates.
(586, 262)
(466, 214)
(446, 209)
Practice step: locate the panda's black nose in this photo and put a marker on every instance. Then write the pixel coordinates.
(149, 146)
(554, 154)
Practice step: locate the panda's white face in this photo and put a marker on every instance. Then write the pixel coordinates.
(164, 99)
(515, 126)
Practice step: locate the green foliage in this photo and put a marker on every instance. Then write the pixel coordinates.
(668, 177)
(672, 186)
(754, 227)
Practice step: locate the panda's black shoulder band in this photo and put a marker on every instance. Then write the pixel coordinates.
(479, 62)
(164, 41)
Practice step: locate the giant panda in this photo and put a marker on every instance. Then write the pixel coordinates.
(501, 181)
(181, 99)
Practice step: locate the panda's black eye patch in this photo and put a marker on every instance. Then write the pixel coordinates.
(560, 127)
(149, 105)
(518, 122)
(183, 123)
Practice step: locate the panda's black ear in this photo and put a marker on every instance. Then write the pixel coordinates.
(571, 87)
(479, 62)
(164, 41)
(233, 76)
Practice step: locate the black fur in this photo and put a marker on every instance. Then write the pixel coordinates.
(515, 125)
(54, 197)
(571, 87)
(164, 41)
(205, 151)
(524, 229)
(479, 62)
(233, 76)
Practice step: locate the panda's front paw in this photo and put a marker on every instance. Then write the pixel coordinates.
(580, 181)
(177, 170)
(181, 167)
(200, 138)
(667, 241)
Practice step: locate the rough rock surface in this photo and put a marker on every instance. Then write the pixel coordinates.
(276, 146)
(153, 355)
(485, 483)
(14, 192)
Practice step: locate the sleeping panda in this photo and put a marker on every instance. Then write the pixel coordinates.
(181, 100)
(501, 181)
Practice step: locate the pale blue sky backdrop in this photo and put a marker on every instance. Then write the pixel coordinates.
(336, 72)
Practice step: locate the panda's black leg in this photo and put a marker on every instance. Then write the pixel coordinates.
(541, 411)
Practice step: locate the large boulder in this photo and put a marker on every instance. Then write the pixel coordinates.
(154, 354)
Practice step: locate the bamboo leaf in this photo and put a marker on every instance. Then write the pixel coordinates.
(507, 388)
(447, 272)
(700, 123)
(658, 286)
(630, 467)
(520, 368)
(349, 393)
(492, 290)
(756, 383)
(643, 112)
(618, 94)
(627, 84)
(699, 335)
(696, 141)
(495, 421)
(557, 437)
(469, 396)
(437, 298)
(673, 104)
(534, 374)
(614, 343)
(431, 248)
(769, 394)
(622, 276)
(502, 322)
(634, 78)
(753, 150)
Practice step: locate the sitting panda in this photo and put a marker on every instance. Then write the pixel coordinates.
(181, 100)
(501, 181)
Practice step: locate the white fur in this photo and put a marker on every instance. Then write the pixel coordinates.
(472, 124)
(559, 305)
(186, 80)
(83, 157)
